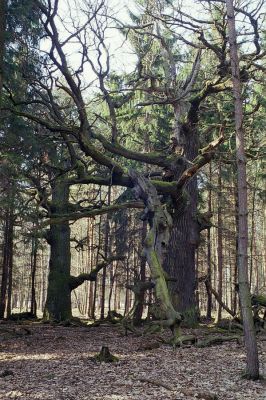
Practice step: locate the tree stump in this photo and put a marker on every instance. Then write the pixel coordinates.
(105, 356)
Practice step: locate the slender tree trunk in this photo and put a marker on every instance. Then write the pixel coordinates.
(106, 254)
(2, 42)
(231, 276)
(90, 242)
(58, 302)
(10, 268)
(220, 244)
(139, 308)
(253, 234)
(244, 291)
(6, 282)
(209, 267)
(127, 294)
(44, 280)
(94, 305)
(235, 305)
(112, 285)
(34, 250)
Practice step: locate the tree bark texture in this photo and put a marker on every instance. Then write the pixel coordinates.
(58, 302)
(244, 290)
(184, 239)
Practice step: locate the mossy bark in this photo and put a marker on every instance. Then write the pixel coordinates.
(155, 248)
(58, 302)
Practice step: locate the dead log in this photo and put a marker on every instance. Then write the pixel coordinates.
(215, 340)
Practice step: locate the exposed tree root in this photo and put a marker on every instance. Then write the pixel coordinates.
(183, 340)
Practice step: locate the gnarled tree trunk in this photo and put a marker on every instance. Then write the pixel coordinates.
(155, 248)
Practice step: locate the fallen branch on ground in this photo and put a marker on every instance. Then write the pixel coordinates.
(213, 340)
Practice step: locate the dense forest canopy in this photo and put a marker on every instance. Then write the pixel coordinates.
(131, 162)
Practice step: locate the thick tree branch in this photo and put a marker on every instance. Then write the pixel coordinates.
(62, 218)
(149, 158)
(205, 156)
(76, 281)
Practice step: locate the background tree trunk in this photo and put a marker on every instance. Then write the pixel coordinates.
(139, 308)
(2, 42)
(219, 243)
(7, 268)
(244, 290)
(209, 249)
(7, 263)
(34, 250)
(106, 253)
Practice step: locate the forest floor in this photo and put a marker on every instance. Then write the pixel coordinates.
(54, 362)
